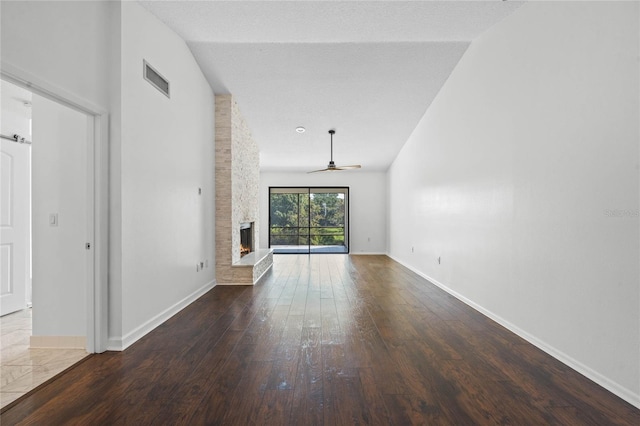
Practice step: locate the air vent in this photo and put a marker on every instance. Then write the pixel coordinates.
(156, 80)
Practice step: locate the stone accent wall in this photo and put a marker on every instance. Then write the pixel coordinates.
(245, 161)
(237, 185)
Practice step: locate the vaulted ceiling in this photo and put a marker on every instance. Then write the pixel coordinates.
(368, 69)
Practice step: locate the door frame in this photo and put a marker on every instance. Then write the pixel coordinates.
(97, 198)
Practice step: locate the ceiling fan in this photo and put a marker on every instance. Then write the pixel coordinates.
(332, 166)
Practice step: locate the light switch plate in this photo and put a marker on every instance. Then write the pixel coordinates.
(53, 219)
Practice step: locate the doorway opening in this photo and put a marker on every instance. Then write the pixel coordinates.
(47, 221)
(95, 166)
(309, 220)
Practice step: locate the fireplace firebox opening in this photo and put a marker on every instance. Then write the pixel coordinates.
(246, 238)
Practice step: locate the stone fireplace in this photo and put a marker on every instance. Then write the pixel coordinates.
(237, 173)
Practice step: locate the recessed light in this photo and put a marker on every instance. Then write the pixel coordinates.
(300, 129)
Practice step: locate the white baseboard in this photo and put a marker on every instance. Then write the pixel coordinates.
(368, 253)
(120, 344)
(58, 342)
(621, 391)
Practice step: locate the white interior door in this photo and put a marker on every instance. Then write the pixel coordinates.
(60, 220)
(14, 225)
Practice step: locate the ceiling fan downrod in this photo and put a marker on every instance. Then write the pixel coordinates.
(331, 163)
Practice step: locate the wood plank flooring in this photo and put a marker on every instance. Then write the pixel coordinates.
(325, 340)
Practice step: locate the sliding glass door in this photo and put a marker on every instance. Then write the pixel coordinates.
(289, 220)
(309, 219)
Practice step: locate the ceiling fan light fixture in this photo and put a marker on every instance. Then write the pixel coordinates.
(332, 165)
(300, 129)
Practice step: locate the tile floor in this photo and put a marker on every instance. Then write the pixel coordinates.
(22, 368)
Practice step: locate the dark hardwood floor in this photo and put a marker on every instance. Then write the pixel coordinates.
(325, 340)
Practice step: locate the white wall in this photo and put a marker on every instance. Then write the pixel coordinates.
(74, 56)
(68, 55)
(367, 204)
(523, 177)
(65, 43)
(167, 153)
(59, 177)
(160, 150)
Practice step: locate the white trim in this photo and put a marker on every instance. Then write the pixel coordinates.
(97, 296)
(89, 232)
(48, 90)
(120, 344)
(622, 392)
(101, 233)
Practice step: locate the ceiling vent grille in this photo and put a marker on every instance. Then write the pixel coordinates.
(156, 79)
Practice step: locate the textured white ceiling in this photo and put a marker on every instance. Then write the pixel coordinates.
(367, 69)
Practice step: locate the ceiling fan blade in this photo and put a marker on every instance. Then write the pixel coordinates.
(316, 171)
(355, 166)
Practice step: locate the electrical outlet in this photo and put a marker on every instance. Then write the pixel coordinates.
(438, 260)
